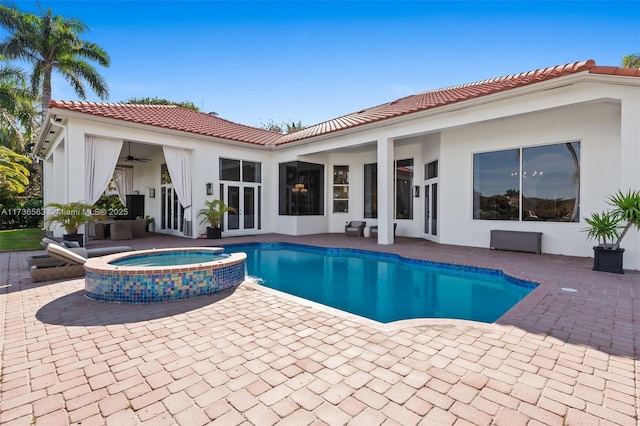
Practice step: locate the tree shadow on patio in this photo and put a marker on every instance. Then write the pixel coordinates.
(75, 309)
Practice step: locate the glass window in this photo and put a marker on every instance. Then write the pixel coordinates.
(431, 170)
(551, 183)
(548, 177)
(301, 189)
(496, 188)
(251, 171)
(371, 191)
(404, 186)
(229, 169)
(165, 177)
(340, 189)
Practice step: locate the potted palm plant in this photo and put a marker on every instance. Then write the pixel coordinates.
(150, 223)
(605, 229)
(70, 216)
(212, 214)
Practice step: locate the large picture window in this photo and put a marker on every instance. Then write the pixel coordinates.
(301, 189)
(532, 184)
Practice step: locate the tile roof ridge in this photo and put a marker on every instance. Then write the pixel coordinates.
(613, 70)
(566, 68)
(72, 104)
(60, 103)
(571, 67)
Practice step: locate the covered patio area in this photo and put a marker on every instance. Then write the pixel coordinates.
(255, 356)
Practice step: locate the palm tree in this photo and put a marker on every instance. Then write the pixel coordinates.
(51, 43)
(17, 113)
(13, 175)
(631, 61)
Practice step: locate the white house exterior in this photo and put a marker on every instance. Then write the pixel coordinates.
(537, 151)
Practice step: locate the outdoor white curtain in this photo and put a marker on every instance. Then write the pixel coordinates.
(123, 181)
(101, 157)
(179, 166)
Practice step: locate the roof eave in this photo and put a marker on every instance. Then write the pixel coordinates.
(144, 126)
(582, 76)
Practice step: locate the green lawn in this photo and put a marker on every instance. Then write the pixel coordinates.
(21, 239)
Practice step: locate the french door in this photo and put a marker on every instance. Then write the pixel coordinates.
(246, 199)
(172, 212)
(431, 209)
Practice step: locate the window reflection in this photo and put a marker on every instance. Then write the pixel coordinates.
(551, 183)
(549, 178)
(229, 169)
(496, 193)
(301, 189)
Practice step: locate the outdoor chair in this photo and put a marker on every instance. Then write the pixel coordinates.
(138, 228)
(47, 261)
(122, 230)
(355, 228)
(70, 264)
(374, 231)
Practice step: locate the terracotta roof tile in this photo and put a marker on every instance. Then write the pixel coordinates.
(627, 72)
(177, 118)
(435, 98)
(173, 117)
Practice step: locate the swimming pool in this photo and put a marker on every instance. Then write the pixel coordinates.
(383, 287)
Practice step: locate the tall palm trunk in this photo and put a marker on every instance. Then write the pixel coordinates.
(46, 94)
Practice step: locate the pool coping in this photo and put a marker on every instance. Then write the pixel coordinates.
(101, 265)
(504, 322)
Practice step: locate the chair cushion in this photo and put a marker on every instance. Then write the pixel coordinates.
(68, 255)
(70, 244)
(46, 241)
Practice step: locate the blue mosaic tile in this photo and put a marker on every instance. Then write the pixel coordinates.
(162, 287)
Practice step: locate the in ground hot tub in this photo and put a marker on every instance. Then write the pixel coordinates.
(162, 275)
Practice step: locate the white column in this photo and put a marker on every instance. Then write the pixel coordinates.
(60, 192)
(630, 142)
(386, 200)
(48, 178)
(629, 170)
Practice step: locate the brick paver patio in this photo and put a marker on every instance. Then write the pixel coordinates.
(254, 356)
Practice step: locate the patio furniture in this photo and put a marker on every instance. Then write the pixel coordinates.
(122, 230)
(374, 231)
(355, 228)
(516, 241)
(70, 265)
(46, 261)
(138, 228)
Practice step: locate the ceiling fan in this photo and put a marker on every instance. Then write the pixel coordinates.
(130, 157)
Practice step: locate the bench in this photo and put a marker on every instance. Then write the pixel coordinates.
(516, 241)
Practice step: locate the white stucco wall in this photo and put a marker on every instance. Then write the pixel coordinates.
(591, 124)
(602, 115)
(206, 154)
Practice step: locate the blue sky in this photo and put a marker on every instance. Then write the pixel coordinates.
(312, 61)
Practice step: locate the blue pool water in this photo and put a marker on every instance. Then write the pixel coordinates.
(383, 287)
(169, 259)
